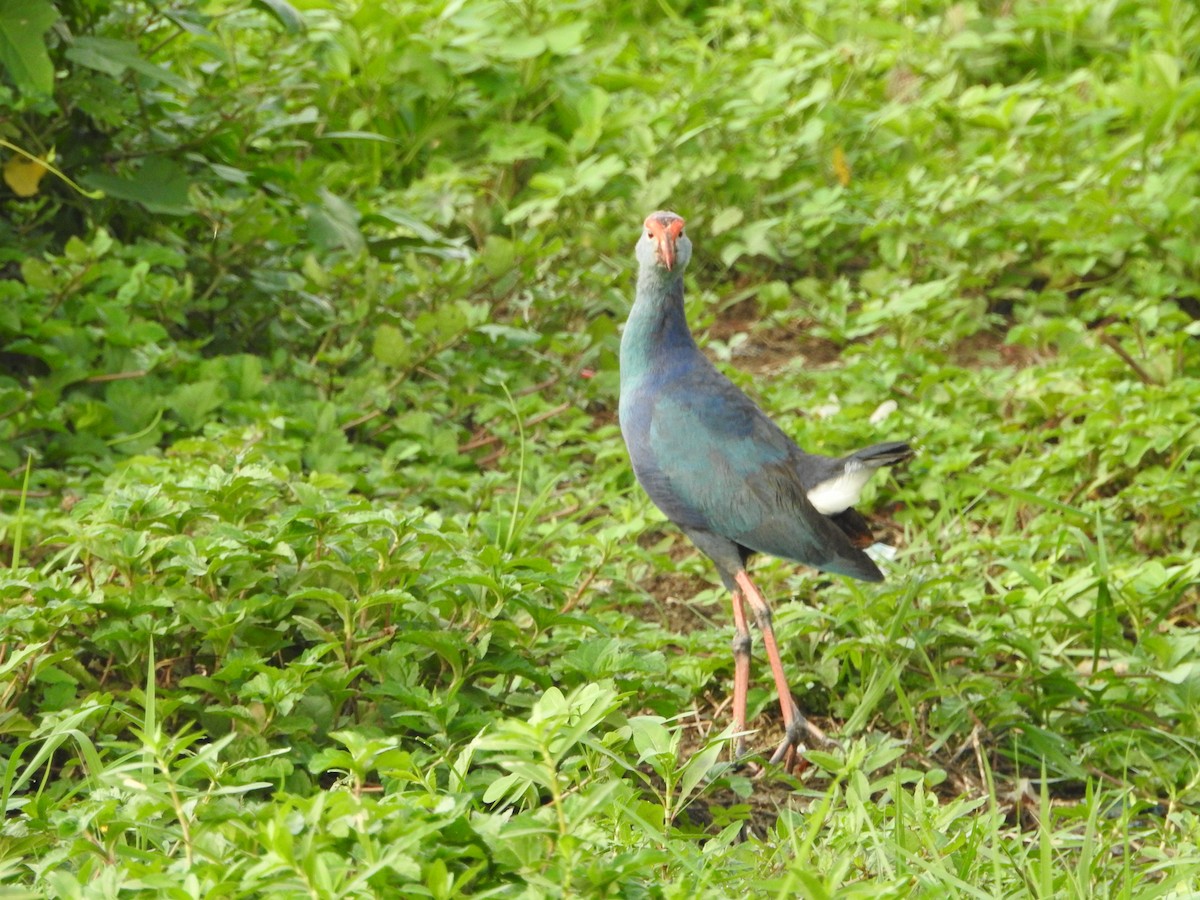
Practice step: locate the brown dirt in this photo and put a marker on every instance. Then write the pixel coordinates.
(987, 350)
(967, 769)
(770, 349)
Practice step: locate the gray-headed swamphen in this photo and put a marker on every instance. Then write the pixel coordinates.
(722, 471)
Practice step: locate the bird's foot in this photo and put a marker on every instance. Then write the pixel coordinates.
(788, 751)
(787, 754)
(819, 737)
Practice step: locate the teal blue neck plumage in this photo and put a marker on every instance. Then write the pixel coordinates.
(656, 333)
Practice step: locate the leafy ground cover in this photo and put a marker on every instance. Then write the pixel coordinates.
(326, 571)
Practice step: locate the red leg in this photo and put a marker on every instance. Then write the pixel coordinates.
(793, 721)
(741, 672)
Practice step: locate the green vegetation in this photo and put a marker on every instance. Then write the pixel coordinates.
(326, 572)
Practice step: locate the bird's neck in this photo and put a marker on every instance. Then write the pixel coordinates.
(656, 330)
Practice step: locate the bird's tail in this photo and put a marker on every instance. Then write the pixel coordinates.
(879, 455)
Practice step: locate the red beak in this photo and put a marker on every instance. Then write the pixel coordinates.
(665, 228)
(666, 249)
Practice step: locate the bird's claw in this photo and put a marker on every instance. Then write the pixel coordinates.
(819, 737)
(788, 751)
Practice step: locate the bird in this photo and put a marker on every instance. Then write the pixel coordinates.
(722, 471)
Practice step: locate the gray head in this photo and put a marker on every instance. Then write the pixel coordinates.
(663, 249)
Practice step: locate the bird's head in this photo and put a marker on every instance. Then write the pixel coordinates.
(663, 246)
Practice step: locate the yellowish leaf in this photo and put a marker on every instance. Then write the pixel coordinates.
(841, 166)
(23, 175)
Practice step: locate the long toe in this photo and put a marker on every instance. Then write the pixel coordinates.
(818, 737)
(787, 752)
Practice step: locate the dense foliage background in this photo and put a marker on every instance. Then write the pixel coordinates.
(326, 570)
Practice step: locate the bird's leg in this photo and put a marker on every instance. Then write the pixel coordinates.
(793, 721)
(741, 671)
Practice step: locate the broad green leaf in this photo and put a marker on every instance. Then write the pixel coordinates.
(391, 346)
(501, 786)
(566, 39)
(590, 107)
(497, 255)
(22, 49)
(699, 765)
(521, 47)
(651, 737)
(194, 403)
(114, 57)
(512, 141)
(729, 217)
(160, 185)
(334, 224)
(284, 13)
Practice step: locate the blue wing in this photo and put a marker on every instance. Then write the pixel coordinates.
(713, 462)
